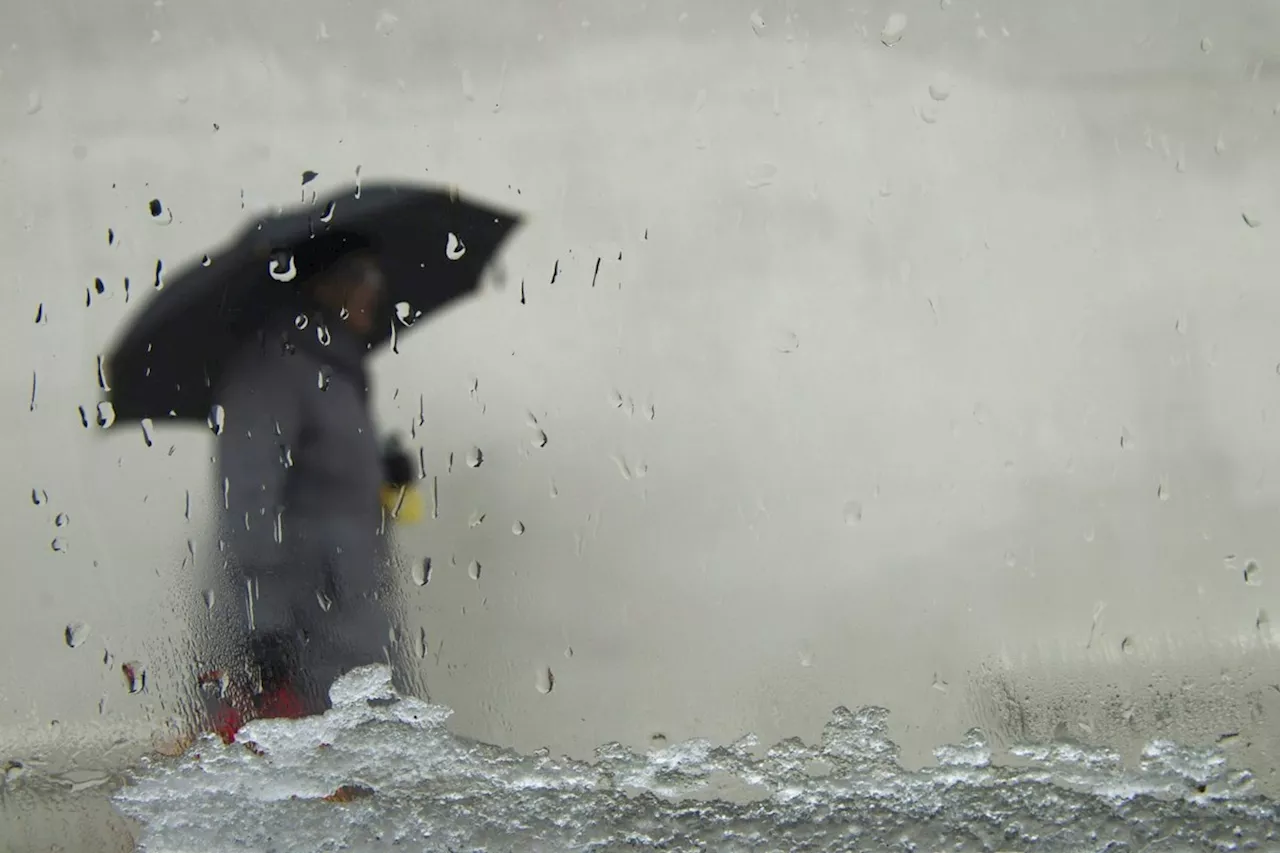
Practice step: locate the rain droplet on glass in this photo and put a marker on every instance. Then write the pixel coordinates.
(453, 249)
(475, 457)
(940, 88)
(473, 570)
(1251, 573)
(135, 676)
(386, 22)
(545, 681)
(621, 464)
(1162, 491)
(106, 414)
(517, 528)
(209, 598)
(59, 545)
(217, 419)
(1206, 44)
(1251, 218)
(328, 211)
(102, 376)
(325, 602)
(468, 88)
(1127, 645)
(422, 571)
(75, 634)
(893, 29)
(214, 684)
(300, 322)
(539, 438)
(282, 267)
(761, 175)
(61, 520)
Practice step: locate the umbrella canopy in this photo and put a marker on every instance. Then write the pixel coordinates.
(432, 247)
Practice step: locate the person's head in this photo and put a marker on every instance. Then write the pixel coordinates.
(352, 288)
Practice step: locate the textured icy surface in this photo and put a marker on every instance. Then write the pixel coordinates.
(412, 785)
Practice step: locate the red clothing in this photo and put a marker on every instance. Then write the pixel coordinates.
(282, 702)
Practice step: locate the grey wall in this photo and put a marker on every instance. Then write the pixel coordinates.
(952, 400)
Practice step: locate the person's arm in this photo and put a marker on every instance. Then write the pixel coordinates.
(262, 401)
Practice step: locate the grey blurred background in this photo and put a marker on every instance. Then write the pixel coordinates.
(930, 363)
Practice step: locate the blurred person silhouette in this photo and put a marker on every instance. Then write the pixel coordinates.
(307, 490)
(266, 339)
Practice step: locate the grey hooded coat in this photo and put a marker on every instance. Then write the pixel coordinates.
(300, 470)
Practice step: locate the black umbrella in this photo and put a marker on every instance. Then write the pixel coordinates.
(432, 246)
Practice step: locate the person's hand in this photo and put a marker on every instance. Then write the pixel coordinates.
(397, 465)
(400, 499)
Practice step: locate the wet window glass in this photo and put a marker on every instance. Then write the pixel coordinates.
(681, 426)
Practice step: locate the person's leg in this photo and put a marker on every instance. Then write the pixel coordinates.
(353, 634)
(278, 661)
(269, 682)
(223, 715)
(273, 658)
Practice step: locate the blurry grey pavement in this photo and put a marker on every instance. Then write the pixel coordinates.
(914, 354)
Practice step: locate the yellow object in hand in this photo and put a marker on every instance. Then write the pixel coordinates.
(403, 503)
